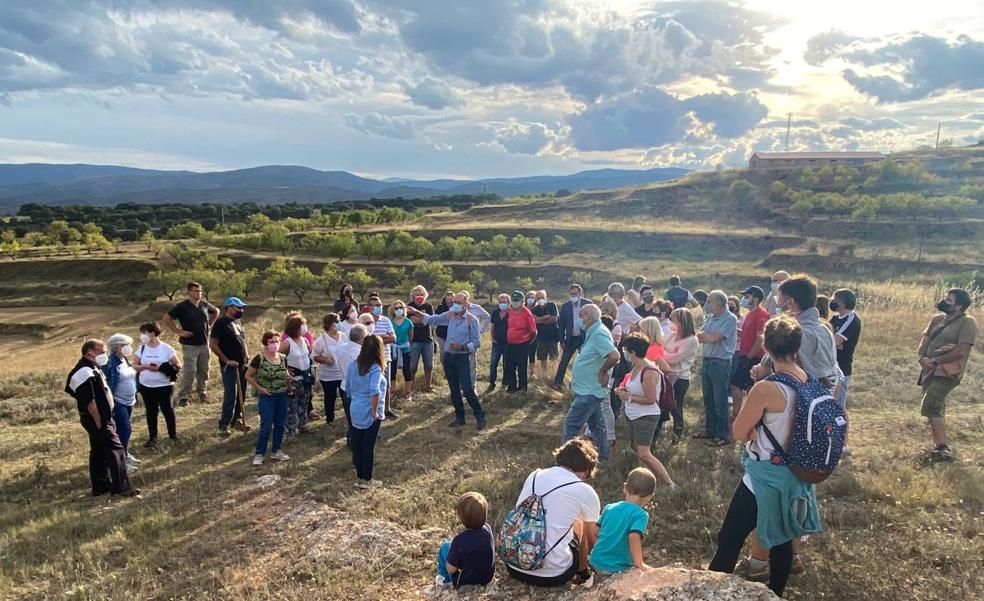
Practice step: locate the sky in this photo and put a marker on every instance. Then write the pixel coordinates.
(481, 88)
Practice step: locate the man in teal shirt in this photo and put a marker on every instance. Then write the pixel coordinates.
(590, 378)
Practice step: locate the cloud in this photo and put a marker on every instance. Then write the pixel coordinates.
(401, 128)
(877, 124)
(824, 46)
(14, 150)
(433, 94)
(339, 14)
(653, 117)
(527, 138)
(912, 69)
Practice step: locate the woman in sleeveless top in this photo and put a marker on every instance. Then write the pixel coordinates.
(270, 378)
(299, 365)
(766, 494)
(639, 394)
(324, 352)
(680, 353)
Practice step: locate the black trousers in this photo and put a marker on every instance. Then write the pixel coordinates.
(332, 388)
(107, 458)
(364, 449)
(517, 366)
(680, 388)
(570, 347)
(156, 399)
(738, 523)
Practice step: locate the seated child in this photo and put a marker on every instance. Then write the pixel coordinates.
(622, 525)
(470, 557)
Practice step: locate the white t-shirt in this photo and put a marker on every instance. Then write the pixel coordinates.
(326, 345)
(563, 507)
(781, 426)
(298, 354)
(345, 328)
(626, 316)
(159, 355)
(635, 410)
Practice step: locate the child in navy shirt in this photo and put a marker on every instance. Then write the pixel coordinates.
(469, 559)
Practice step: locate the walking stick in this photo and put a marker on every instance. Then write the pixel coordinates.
(241, 402)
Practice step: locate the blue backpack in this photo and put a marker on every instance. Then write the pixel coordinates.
(522, 540)
(819, 429)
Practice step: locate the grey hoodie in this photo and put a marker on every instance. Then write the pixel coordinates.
(817, 354)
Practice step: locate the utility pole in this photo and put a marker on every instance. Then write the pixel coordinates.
(939, 125)
(789, 123)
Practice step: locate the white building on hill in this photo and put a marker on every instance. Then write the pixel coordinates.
(793, 160)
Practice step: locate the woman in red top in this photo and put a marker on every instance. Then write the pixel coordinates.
(652, 329)
(521, 330)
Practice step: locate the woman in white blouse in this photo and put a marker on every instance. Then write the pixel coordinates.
(326, 349)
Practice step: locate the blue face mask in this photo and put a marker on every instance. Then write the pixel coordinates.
(579, 323)
(530, 301)
(398, 312)
(503, 306)
(746, 303)
(457, 308)
(378, 310)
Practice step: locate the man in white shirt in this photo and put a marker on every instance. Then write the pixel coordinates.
(572, 508)
(626, 315)
(346, 356)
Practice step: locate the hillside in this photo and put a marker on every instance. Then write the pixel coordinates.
(108, 185)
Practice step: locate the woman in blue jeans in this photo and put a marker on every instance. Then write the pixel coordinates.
(269, 376)
(365, 384)
(122, 381)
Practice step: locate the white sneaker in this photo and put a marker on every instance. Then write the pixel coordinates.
(130, 465)
(373, 483)
(131, 459)
(257, 459)
(361, 484)
(279, 456)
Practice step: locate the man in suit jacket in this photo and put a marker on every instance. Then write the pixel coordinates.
(571, 336)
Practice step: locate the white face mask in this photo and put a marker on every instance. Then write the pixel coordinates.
(102, 359)
(352, 315)
(127, 350)
(371, 327)
(541, 302)
(304, 328)
(774, 286)
(145, 338)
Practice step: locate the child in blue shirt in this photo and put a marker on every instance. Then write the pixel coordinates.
(470, 557)
(622, 526)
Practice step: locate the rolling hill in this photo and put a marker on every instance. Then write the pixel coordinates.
(108, 185)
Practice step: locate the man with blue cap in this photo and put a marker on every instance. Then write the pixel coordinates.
(228, 342)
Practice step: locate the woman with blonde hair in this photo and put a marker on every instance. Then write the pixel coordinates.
(652, 329)
(680, 352)
(402, 329)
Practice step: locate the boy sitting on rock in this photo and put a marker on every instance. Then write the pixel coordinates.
(622, 526)
(470, 557)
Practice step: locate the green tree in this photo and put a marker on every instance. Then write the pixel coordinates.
(496, 249)
(276, 276)
(742, 193)
(167, 282)
(583, 278)
(359, 217)
(301, 281)
(275, 237)
(185, 229)
(525, 247)
(524, 283)
(559, 243)
(361, 281)
(148, 238)
(256, 222)
(330, 275)
(251, 280)
(432, 275)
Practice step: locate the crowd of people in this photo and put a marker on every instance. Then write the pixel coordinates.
(630, 355)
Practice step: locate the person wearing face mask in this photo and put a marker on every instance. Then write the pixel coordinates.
(648, 307)
(750, 345)
(625, 314)
(298, 353)
(383, 327)
(122, 381)
(422, 342)
(718, 337)
(270, 377)
(402, 329)
(570, 336)
(500, 325)
(312, 415)
(546, 316)
(227, 342)
(156, 380)
(590, 377)
(348, 320)
(107, 458)
(680, 352)
(531, 352)
(770, 301)
(464, 336)
(441, 332)
(325, 352)
(345, 301)
(943, 353)
(634, 294)
(520, 333)
(847, 331)
(663, 310)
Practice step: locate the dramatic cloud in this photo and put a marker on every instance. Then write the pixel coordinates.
(824, 46)
(652, 117)
(881, 123)
(526, 138)
(433, 94)
(400, 128)
(918, 67)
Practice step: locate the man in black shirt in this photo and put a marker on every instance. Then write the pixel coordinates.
(421, 342)
(648, 307)
(195, 317)
(228, 342)
(107, 458)
(847, 332)
(546, 314)
(500, 323)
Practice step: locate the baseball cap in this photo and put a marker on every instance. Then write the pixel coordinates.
(517, 295)
(234, 301)
(754, 291)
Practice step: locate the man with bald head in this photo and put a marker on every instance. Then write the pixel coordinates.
(718, 338)
(463, 340)
(770, 301)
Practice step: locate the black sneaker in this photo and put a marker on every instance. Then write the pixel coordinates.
(182, 402)
(943, 452)
(391, 414)
(481, 424)
(151, 444)
(456, 424)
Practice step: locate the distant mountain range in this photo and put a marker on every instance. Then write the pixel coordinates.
(109, 185)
